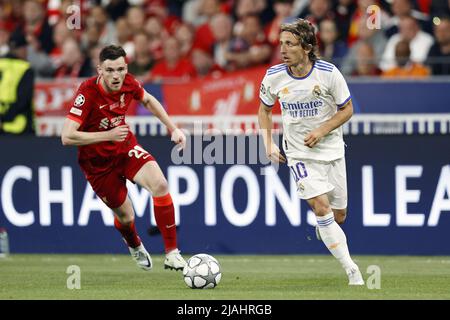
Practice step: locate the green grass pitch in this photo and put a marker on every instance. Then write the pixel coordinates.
(284, 277)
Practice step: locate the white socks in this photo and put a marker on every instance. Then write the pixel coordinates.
(334, 238)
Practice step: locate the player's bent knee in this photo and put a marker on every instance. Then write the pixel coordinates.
(125, 220)
(340, 219)
(124, 212)
(125, 217)
(160, 188)
(321, 210)
(340, 216)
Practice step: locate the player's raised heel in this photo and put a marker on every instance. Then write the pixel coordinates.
(174, 260)
(142, 257)
(355, 277)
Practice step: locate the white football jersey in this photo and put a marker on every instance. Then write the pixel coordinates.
(306, 103)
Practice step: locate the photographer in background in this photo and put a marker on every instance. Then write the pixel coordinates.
(16, 88)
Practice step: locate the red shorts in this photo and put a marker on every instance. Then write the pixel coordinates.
(108, 176)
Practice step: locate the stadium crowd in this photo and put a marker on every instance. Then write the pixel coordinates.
(168, 40)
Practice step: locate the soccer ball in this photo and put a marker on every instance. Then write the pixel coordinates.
(202, 271)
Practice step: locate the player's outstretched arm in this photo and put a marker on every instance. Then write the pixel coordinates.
(265, 125)
(342, 115)
(153, 105)
(70, 135)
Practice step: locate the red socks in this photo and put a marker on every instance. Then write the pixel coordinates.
(129, 233)
(165, 219)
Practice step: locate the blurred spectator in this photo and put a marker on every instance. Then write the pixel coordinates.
(160, 9)
(185, 35)
(204, 37)
(16, 88)
(191, 12)
(283, 14)
(62, 10)
(300, 8)
(143, 61)
(250, 48)
(135, 19)
(124, 37)
(331, 49)
(94, 57)
(11, 15)
(204, 64)
(343, 13)
(98, 19)
(404, 8)
(38, 32)
(40, 60)
(115, 8)
(423, 6)
(439, 54)
(283, 11)
(319, 10)
(361, 16)
(420, 43)
(405, 67)
(198, 12)
(4, 37)
(90, 37)
(74, 63)
(374, 37)
(222, 28)
(440, 8)
(53, 12)
(243, 8)
(172, 66)
(252, 43)
(265, 9)
(366, 64)
(60, 34)
(157, 33)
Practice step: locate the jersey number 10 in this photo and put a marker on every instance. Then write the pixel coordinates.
(298, 171)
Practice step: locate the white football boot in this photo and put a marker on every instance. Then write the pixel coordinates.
(142, 257)
(174, 260)
(354, 277)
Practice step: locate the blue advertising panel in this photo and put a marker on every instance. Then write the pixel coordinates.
(385, 97)
(229, 200)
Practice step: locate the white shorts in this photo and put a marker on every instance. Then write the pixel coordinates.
(314, 177)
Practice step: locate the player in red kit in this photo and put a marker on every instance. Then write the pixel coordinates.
(109, 154)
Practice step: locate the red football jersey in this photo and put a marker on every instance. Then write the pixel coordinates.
(97, 110)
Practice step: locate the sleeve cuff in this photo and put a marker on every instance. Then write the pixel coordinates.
(74, 119)
(267, 105)
(343, 103)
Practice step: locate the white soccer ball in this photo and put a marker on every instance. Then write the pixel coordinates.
(202, 271)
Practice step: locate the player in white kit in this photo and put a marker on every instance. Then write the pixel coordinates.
(315, 102)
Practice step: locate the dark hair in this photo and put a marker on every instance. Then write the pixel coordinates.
(111, 52)
(17, 40)
(305, 32)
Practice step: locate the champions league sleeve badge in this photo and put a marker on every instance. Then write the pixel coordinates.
(79, 100)
(263, 89)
